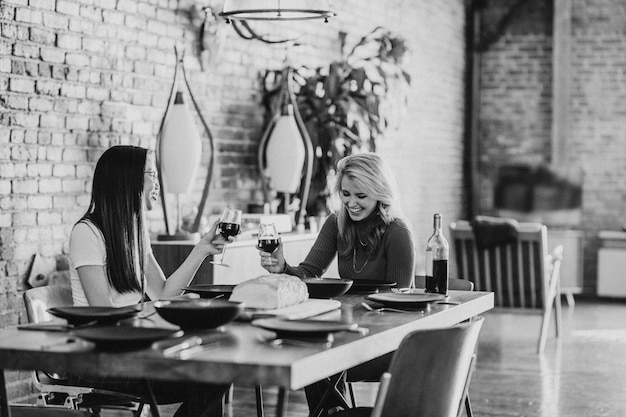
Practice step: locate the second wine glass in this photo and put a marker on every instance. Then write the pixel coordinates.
(268, 237)
(230, 225)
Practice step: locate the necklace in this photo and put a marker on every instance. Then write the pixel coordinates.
(360, 241)
(358, 271)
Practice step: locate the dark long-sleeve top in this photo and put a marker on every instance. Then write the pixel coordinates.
(394, 262)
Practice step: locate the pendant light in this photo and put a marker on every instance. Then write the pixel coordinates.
(180, 149)
(276, 10)
(179, 153)
(285, 154)
(285, 150)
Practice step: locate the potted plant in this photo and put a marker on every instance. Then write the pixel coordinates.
(347, 106)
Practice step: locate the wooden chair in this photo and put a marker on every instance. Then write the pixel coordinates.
(52, 388)
(354, 376)
(428, 374)
(521, 273)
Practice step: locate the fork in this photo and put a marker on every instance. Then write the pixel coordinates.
(388, 309)
(295, 342)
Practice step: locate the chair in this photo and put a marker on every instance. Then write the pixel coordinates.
(354, 376)
(52, 388)
(428, 374)
(519, 272)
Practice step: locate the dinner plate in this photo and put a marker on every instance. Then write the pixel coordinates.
(210, 290)
(405, 300)
(82, 315)
(367, 286)
(125, 336)
(303, 328)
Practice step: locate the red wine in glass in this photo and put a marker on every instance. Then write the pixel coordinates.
(229, 229)
(268, 244)
(230, 225)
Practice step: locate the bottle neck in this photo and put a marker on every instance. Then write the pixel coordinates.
(437, 224)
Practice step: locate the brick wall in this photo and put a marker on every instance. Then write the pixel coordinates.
(515, 112)
(78, 76)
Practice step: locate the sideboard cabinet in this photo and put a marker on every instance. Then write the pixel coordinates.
(241, 256)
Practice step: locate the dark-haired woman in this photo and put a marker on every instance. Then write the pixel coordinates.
(111, 264)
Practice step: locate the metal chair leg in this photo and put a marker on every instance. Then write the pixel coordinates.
(283, 399)
(228, 397)
(258, 391)
(154, 407)
(468, 406)
(351, 392)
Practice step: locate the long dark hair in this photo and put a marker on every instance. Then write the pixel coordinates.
(116, 208)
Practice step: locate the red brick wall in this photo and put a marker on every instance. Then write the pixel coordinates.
(78, 76)
(516, 116)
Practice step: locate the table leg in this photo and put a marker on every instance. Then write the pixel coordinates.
(283, 400)
(154, 408)
(5, 411)
(331, 390)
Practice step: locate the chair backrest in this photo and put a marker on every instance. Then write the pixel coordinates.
(457, 284)
(38, 300)
(429, 371)
(515, 272)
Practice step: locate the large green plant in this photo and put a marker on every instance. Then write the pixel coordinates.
(346, 106)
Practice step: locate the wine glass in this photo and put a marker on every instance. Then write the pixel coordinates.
(268, 237)
(230, 225)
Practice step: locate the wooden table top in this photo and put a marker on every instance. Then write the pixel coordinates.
(240, 356)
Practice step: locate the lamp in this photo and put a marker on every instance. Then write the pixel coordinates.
(284, 135)
(180, 149)
(276, 10)
(285, 139)
(179, 153)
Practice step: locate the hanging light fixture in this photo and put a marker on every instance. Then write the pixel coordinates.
(179, 152)
(286, 134)
(276, 10)
(285, 139)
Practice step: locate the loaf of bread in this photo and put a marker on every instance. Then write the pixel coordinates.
(271, 291)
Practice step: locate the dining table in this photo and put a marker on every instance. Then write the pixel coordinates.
(240, 352)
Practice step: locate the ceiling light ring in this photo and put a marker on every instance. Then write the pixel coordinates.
(280, 14)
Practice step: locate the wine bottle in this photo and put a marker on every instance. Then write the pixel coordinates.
(437, 251)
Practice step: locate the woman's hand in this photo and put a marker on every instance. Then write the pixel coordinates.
(212, 242)
(273, 262)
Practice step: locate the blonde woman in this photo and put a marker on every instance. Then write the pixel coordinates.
(369, 236)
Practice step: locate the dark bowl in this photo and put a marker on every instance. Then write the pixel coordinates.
(327, 287)
(199, 313)
(210, 290)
